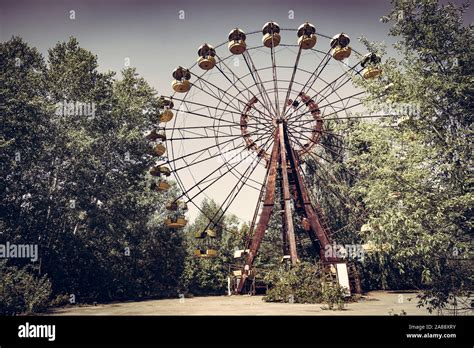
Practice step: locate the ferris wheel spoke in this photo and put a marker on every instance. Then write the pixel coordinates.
(290, 86)
(203, 150)
(348, 98)
(328, 58)
(332, 84)
(339, 137)
(332, 113)
(200, 136)
(297, 118)
(235, 191)
(205, 86)
(316, 154)
(208, 127)
(217, 133)
(360, 103)
(336, 88)
(204, 116)
(258, 83)
(211, 156)
(314, 76)
(311, 130)
(235, 77)
(355, 117)
(214, 171)
(228, 96)
(186, 192)
(194, 113)
(240, 92)
(184, 101)
(213, 181)
(328, 85)
(343, 199)
(275, 77)
(321, 144)
(265, 140)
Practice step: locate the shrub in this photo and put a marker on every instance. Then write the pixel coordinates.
(333, 295)
(298, 284)
(21, 291)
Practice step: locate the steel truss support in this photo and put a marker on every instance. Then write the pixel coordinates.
(284, 164)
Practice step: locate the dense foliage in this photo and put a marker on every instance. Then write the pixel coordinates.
(76, 183)
(404, 183)
(303, 283)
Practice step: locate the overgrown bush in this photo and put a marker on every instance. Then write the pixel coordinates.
(303, 283)
(21, 291)
(333, 295)
(298, 284)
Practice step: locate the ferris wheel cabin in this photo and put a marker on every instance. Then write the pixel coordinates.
(237, 43)
(370, 62)
(340, 47)
(181, 82)
(271, 34)
(206, 60)
(306, 36)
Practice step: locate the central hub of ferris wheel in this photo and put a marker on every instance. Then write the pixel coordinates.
(315, 124)
(280, 120)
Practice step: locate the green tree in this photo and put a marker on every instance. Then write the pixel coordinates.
(77, 183)
(414, 168)
(206, 276)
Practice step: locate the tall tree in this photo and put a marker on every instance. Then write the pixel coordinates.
(415, 168)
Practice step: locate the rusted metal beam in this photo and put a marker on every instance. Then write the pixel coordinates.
(316, 229)
(266, 211)
(289, 227)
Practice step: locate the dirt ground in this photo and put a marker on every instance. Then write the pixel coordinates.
(372, 303)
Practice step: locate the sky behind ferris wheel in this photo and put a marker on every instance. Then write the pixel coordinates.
(156, 36)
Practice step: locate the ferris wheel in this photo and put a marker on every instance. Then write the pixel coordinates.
(241, 123)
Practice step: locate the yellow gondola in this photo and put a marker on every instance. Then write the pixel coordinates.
(307, 36)
(206, 60)
(158, 150)
(207, 253)
(181, 82)
(371, 72)
(176, 222)
(160, 186)
(166, 116)
(271, 34)
(237, 41)
(339, 47)
(370, 62)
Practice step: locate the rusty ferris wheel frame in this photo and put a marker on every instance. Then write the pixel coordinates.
(248, 114)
